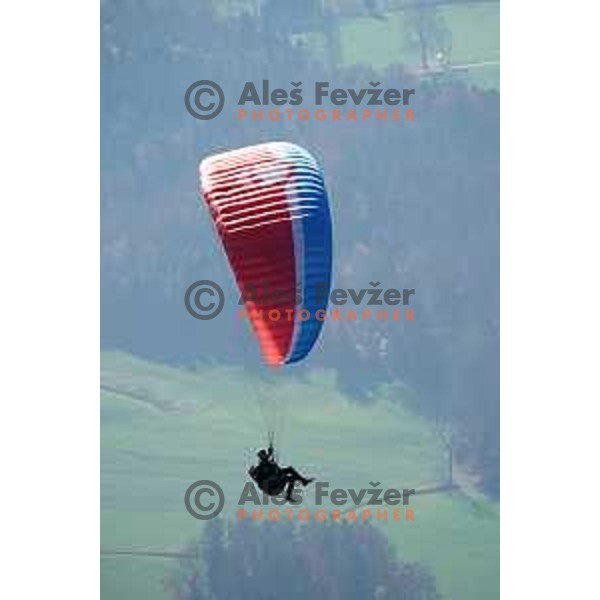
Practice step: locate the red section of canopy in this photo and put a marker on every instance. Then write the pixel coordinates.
(260, 248)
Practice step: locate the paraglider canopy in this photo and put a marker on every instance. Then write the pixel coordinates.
(271, 211)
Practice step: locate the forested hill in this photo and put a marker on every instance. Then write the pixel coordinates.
(415, 204)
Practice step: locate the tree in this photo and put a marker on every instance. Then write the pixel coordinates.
(433, 35)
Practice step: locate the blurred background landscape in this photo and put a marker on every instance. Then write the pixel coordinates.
(415, 205)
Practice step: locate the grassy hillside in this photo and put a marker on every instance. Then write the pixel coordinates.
(163, 428)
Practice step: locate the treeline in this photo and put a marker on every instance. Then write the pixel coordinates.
(314, 560)
(415, 205)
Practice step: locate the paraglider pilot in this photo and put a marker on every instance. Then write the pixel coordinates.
(273, 479)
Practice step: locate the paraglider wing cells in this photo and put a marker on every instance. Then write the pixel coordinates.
(271, 211)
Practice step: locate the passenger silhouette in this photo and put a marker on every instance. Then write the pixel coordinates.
(273, 479)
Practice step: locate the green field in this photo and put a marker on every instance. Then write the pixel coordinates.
(163, 428)
(475, 39)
